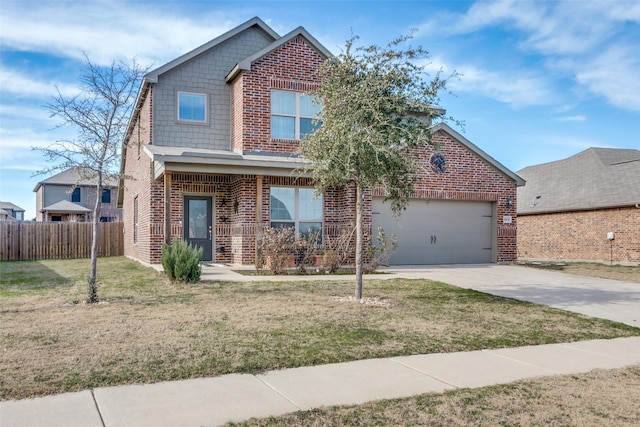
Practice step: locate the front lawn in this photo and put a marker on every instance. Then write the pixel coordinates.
(147, 329)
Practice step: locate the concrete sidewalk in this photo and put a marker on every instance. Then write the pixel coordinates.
(235, 397)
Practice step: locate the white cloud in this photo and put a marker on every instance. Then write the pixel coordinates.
(578, 118)
(593, 42)
(17, 83)
(106, 31)
(518, 88)
(613, 74)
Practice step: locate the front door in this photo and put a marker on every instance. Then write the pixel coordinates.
(198, 228)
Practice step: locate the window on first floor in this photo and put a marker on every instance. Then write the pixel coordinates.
(75, 195)
(296, 208)
(292, 114)
(106, 195)
(192, 107)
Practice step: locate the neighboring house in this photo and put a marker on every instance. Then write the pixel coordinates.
(10, 212)
(68, 196)
(569, 207)
(210, 147)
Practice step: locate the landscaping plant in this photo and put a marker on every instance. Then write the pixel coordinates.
(181, 261)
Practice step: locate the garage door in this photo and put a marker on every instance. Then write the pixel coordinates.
(438, 232)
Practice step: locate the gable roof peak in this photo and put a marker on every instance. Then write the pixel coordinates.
(245, 64)
(152, 76)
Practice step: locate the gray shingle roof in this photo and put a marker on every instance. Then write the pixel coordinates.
(10, 206)
(74, 176)
(65, 206)
(592, 179)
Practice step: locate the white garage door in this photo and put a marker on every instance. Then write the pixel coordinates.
(438, 232)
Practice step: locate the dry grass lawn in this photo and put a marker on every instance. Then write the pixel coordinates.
(626, 273)
(147, 329)
(597, 398)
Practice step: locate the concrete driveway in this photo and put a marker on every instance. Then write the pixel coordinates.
(607, 299)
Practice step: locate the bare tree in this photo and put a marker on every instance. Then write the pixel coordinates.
(99, 115)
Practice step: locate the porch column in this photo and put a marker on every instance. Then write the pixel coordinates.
(167, 207)
(259, 179)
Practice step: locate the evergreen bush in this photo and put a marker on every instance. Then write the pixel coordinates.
(181, 261)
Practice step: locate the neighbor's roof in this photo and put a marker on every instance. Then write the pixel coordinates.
(73, 176)
(592, 179)
(11, 206)
(65, 206)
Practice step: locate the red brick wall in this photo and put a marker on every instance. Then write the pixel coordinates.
(581, 236)
(468, 177)
(293, 66)
(138, 166)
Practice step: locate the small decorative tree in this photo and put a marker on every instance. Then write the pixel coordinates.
(377, 107)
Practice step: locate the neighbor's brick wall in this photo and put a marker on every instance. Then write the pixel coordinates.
(581, 236)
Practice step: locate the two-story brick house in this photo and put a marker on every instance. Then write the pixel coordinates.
(211, 149)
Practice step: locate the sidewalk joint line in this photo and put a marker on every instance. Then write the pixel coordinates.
(95, 402)
(424, 373)
(278, 392)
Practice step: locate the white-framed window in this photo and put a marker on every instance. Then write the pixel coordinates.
(296, 208)
(192, 107)
(292, 114)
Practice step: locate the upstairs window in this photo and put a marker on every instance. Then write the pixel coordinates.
(192, 107)
(75, 196)
(292, 115)
(106, 196)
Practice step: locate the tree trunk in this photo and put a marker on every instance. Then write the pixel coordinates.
(359, 243)
(93, 277)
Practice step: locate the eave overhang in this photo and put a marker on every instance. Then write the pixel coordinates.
(179, 159)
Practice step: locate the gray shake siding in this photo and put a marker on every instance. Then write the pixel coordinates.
(204, 74)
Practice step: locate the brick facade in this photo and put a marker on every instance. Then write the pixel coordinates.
(292, 65)
(581, 236)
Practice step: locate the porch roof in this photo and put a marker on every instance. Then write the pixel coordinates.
(183, 159)
(65, 206)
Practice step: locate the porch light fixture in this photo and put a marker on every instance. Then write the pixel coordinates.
(509, 202)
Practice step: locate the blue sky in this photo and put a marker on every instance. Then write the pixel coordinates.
(540, 80)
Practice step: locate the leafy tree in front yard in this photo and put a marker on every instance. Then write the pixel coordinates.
(378, 104)
(99, 114)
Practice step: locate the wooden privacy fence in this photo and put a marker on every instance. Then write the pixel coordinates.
(58, 240)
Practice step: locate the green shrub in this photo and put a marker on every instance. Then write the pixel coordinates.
(181, 261)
